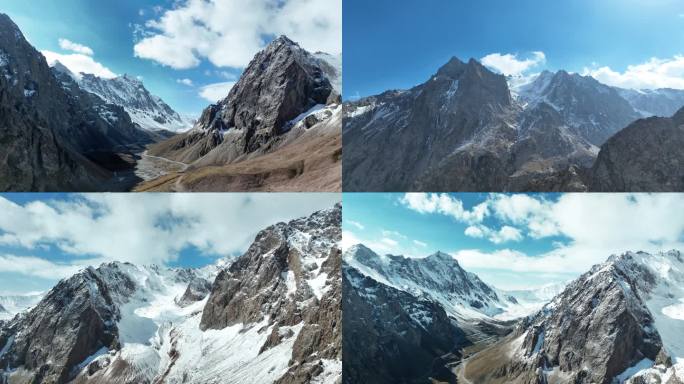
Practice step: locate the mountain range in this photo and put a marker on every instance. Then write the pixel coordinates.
(60, 136)
(470, 129)
(428, 320)
(270, 315)
(277, 129)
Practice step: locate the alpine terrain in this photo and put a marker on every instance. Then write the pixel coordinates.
(427, 320)
(277, 129)
(61, 132)
(270, 315)
(470, 129)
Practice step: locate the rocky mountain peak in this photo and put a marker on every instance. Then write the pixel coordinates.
(678, 117)
(453, 68)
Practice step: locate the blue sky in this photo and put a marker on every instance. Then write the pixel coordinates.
(397, 44)
(45, 237)
(515, 241)
(205, 45)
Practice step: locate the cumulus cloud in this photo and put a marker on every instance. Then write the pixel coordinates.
(229, 33)
(217, 91)
(510, 64)
(187, 82)
(444, 204)
(597, 226)
(505, 234)
(652, 74)
(69, 45)
(79, 63)
(143, 229)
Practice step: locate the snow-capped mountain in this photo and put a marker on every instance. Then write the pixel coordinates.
(148, 111)
(438, 277)
(10, 305)
(663, 102)
(620, 322)
(470, 129)
(414, 315)
(271, 315)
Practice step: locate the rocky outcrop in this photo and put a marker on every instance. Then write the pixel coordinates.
(197, 290)
(645, 156)
(289, 276)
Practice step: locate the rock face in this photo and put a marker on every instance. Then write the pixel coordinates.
(603, 323)
(146, 110)
(75, 319)
(35, 116)
(289, 276)
(282, 82)
(51, 128)
(645, 156)
(465, 129)
(393, 336)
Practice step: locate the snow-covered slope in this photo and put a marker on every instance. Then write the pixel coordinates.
(271, 315)
(148, 111)
(440, 278)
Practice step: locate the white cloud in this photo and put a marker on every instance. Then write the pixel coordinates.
(77, 63)
(187, 82)
(145, 229)
(652, 74)
(356, 224)
(509, 64)
(598, 225)
(215, 92)
(230, 32)
(36, 267)
(69, 45)
(505, 234)
(419, 243)
(442, 203)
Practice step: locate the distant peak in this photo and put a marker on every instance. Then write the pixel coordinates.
(453, 68)
(283, 40)
(439, 255)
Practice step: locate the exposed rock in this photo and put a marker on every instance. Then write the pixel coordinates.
(197, 290)
(391, 336)
(645, 156)
(75, 319)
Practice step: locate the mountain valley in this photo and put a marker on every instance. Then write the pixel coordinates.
(427, 320)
